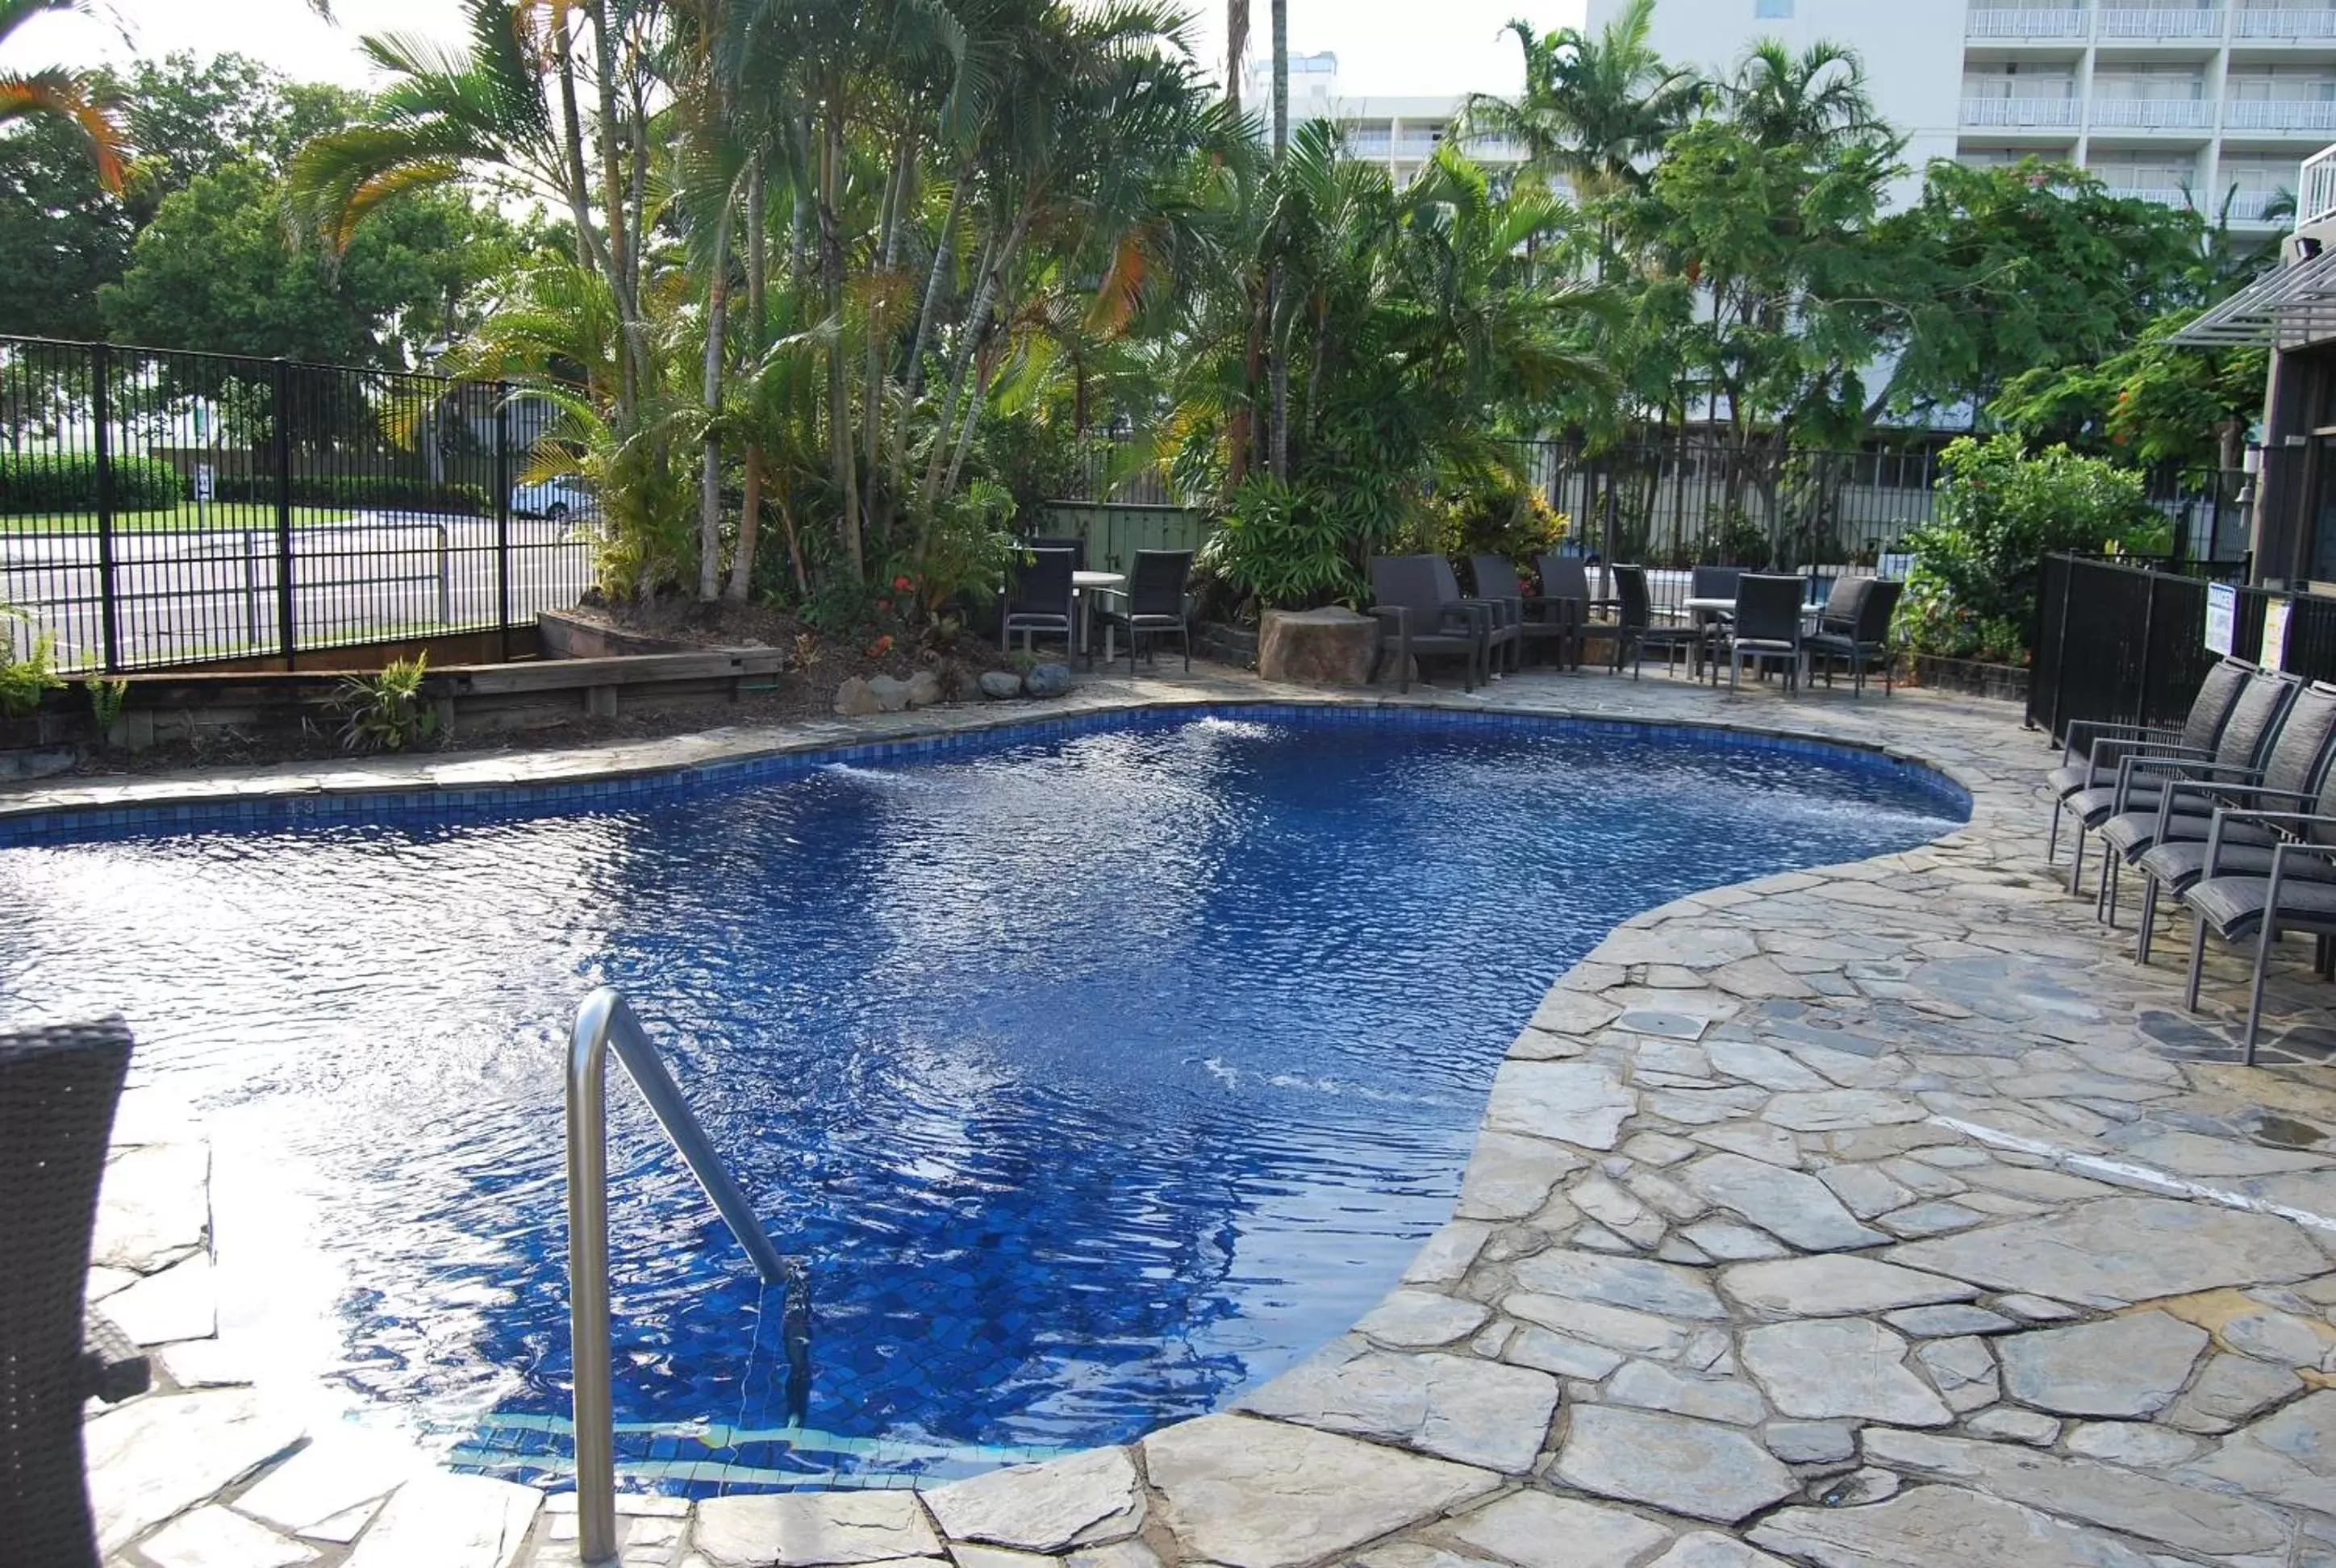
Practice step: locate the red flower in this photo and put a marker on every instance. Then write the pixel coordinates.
(902, 584)
(882, 645)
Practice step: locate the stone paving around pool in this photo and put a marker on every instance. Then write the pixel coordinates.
(1885, 1214)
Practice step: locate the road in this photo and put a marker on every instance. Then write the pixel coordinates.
(187, 595)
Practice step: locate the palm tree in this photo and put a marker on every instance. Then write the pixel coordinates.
(1236, 49)
(1280, 359)
(1596, 107)
(1817, 98)
(59, 93)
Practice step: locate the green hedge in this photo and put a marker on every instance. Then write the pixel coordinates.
(361, 493)
(63, 481)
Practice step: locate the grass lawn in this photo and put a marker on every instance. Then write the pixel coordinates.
(186, 517)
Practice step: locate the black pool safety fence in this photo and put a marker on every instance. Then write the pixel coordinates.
(162, 508)
(2129, 643)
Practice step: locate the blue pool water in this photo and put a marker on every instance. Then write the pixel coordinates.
(1094, 1075)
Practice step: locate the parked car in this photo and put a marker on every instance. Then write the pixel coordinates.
(558, 499)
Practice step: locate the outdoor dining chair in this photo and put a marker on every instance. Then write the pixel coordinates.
(2177, 855)
(1421, 612)
(1565, 580)
(1636, 631)
(2243, 742)
(1540, 619)
(58, 1089)
(2191, 791)
(1767, 626)
(2093, 748)
(1155, 602)
(1040, 598)
(1854, 628)
(2295, 889)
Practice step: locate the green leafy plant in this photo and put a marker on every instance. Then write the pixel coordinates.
(387, 711)
(1495, 520)
(1282, 547)
(40, 481)
(25, 680)
(2001, 512)
(105, 700)
(968, 549)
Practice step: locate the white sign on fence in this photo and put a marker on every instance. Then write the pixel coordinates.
(2222, 618)
(206, 482)
(2274, 637)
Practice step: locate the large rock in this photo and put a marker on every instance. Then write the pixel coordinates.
(891, 694)
(1834, 1286)
(1048, 680)
(1044, 1508)
(1939, 1527)
(856, 699)
(1691, 1467)
(1580, 1103)
(813, 1529)
(1536, 1530)
(924, 689)
(1630, 1282)
(1317, 646)
(450, 1521)
(1456, 1407)
(1841, 1366)
(1251, 1494)
(1792, 1204)
(2123, 1367)
(1001, 685)
(155, 1457)
(2152, 1507)
(155, 1207)
(2120, 1251)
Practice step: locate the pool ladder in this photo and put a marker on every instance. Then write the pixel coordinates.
(602, 1022)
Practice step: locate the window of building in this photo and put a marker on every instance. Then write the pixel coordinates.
(1777, 9)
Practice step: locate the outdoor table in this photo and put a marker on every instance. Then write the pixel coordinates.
(1086, 586)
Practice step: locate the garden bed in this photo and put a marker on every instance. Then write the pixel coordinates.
(1970, 678)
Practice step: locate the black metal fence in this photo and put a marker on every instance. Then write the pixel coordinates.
(160, 508)
(1698, 501)
(2127, 644)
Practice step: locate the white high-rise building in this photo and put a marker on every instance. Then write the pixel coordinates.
(2189, 102)
(1402, 134)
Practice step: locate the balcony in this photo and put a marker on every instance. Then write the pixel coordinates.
(2279, 114)
(2019, 113)
(2280, 24)
(2010, 21)
(2315, 195)
(2255, 205)
(2163, 195)
(2152, 113)
(2161, 23)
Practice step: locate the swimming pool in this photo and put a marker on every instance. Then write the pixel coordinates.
(1096, 1071)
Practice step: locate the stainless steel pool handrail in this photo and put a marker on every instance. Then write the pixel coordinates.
(605, 1021)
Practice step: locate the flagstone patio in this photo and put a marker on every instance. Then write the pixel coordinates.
(1883, 1215)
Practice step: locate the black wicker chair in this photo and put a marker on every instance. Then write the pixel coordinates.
(1155, 605)
(1040, 598)
(2094, 748)
(1417, 615)
(1636, 631)
(1565, 580)
(1540, 619)
(1854, 628)
(58, 1088)
(1767, 626)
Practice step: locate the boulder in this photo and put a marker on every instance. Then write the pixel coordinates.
(1001, 685)
(1332, 648)
(924, 689)
(1048, 680)
(891, 693)
(856, 699)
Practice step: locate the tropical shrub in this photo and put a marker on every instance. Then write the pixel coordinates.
(1514, 524)
(1283, 547)
(23, 681)
(67, 482)
(968, 549)
(1971, 592)
(386, 712)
